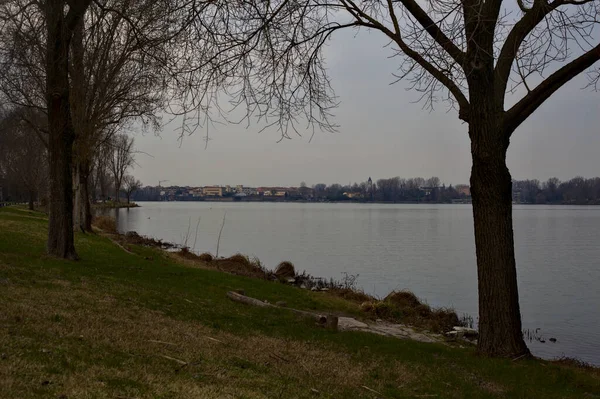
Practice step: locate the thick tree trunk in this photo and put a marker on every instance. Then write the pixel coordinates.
(61, 136)
(82, 212)
(31, 199)
(500, 332)
(117, 190)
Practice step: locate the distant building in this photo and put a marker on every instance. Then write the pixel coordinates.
(212, 191)
(463, 190)
(245, 190)
(428, 190)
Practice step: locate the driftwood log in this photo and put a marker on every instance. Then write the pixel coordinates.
(328, 321)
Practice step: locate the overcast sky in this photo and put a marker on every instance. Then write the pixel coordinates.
(383, 133)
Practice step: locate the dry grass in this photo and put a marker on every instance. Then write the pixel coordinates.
(205, 257)
(353, 295)
(105, 223)
(405, 307)
(285, 270)
(111, 348)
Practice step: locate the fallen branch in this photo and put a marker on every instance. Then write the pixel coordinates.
(175, 360)
(161, 342)
(329, 321)
(371, 390)
(213, 339)
(247, 300)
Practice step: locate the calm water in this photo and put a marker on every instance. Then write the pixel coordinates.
(428, 249)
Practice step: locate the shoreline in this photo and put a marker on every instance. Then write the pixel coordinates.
(115, 205)
(356, 202)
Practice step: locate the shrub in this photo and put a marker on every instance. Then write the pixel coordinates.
(285, 270)
(206, 257)
(403, 299)
(239, 258)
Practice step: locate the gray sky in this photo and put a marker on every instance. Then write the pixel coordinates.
(383, 133)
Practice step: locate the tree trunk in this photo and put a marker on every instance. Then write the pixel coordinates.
(500, 332)
(117, 189)
(31, 199)
(83, 215)
(61, 135)
(102, 183)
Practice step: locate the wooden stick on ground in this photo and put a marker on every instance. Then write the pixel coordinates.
(329, 321)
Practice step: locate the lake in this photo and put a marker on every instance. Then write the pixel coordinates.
(428, 249)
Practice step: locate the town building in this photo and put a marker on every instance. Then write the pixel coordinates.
(212, 191)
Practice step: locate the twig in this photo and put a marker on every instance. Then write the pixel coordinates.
(372, 390)
(196, 235)
(220, 231)
(519, 357)
(161, 342)
(277, 357)
(175, 360)
(213, 339)
(187, 235)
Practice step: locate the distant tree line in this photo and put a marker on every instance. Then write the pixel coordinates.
(24, 165)
(395, 189)
(577, 191)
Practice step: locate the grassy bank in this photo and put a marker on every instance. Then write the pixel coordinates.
(141, 325)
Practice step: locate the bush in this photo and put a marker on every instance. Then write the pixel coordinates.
(105, 223)
(403, 299)
(205, 257)
(405, 307)
(239, 258)
(285, 270)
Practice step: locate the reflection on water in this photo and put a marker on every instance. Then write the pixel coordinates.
(428, 249)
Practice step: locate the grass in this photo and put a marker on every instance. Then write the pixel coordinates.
(141, 325)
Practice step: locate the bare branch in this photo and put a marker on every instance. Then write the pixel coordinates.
(532, 101)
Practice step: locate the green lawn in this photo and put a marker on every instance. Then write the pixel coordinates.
(120, 325)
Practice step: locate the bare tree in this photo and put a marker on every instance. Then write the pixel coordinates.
(116, 82)
(120, 160)
(494, 63)
(130, 185)
(37, 76)
(23, 157)
(120, 57)
(433, 182)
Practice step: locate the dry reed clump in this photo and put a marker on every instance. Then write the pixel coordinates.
(353, 295)
(185, 252)
(205, 257)
(405, 307)
(241, 265)
(105, 223)
(239, 258)
(132, 237)
(285, 270)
